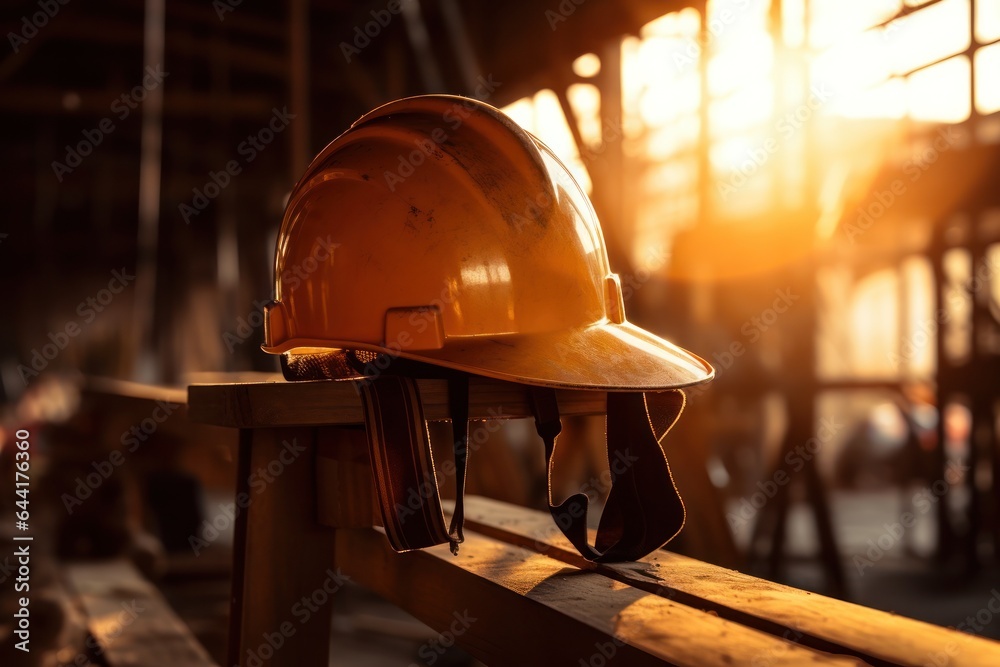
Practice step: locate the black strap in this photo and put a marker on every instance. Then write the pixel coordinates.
(644, 510)
(403, 463)
(458, 402)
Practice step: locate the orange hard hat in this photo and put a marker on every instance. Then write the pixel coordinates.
(436, 229)
(436, 238)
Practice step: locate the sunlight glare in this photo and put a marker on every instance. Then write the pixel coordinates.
(585, 98)
(587, 66)
(793, 19)
(741, 110)
(941, 92)
(988, 79)
(987, 20)
(887, 100)
(834, 20)
(542, 115)
(750, 63)
(874, 317)
(673, 137)
(660, 104)
(688, 21)
(928, 35)
(667, 25)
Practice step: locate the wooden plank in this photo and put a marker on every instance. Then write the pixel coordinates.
(217, 377)
(129, 619)
(169, 439)
(282, 555)
(529, 609)
(327, 402)
(126, 389)
(814, 620)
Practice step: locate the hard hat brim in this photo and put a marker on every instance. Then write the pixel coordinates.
(603, 357)
(607, 357)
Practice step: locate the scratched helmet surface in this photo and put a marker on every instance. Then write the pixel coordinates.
(435, 229)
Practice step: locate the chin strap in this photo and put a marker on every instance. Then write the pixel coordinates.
(644, 510)
(458, 402)
(403, 464)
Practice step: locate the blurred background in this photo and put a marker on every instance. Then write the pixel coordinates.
(804, 192)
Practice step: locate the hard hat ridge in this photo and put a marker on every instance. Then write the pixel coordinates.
(462, 241)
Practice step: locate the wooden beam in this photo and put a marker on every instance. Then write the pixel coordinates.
(325, 402)
(236, 20)
(509, 606)
(36, 100)
(815, 620)
(134, 390)
(128, 33)
(129, 619)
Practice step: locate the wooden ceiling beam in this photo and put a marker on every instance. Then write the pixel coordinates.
(236, 20)
(39, 100)
(122, 32)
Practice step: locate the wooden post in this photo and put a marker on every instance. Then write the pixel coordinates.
(283, 574)
(344, 488)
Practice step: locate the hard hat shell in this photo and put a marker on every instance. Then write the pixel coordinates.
(438, 230)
